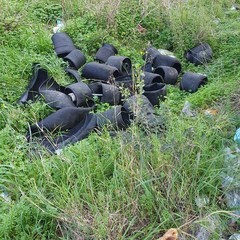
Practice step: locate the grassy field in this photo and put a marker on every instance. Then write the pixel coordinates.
(141, 182)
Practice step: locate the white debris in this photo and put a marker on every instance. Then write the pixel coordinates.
(235, 236)
(6, 197)
(187, 111)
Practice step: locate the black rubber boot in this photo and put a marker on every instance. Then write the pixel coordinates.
(116, 118)
(168, 74)
(39, 80)
(100, 71)
(123, 64)
(155, 92)
(63, 119)
(150, 78)
(106, 93)
(200, 54)
(165, 60)
(80, 93)
(75, 59)
(105, 52)
(192, 81)
(73, 74)
(62, 43)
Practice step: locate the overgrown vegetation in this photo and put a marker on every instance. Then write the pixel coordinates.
(139, 183)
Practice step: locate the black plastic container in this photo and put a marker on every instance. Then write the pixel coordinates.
(124, 82)
(150, 78)
(116, 118)
(57, 99)
(63, 119)
(150, 54)
(73, 74)
(165, 60)
(39, 80)
(135, 105)
(105, 52)
(62, 43)
(168, 74)
(75, 59)
(80, 93)
(191, 82)
(155, 92)
(94, 70)
(79, 131)
(147, 67)
(123, 64)
(200, 54)
(107, 93)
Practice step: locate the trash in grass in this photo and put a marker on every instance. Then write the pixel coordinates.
(107, 79)
(217, 21)
(171, 234)
(211, 112)
(235, 7)
(59, 27)
(202, 201)
(211, 225)
(231, 182)
(232, 194)
(141, 29)
(5, 197)
(237, 136)
(235, 236)
(191, 82)
(187, 111)
(200, 54)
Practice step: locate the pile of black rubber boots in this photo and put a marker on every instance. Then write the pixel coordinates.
(104, 81)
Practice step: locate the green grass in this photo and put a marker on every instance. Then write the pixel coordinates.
(141, 182)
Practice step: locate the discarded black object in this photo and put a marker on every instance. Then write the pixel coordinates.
(150, 78)
(200, 54)
(39, 80)
(81, 130)
(105, 92)
(94, 70)
(124, 82)
(63, 119)
(192, 81)
(155, 92)
(123, 64)
(142, 112)
(62, 43)
(147, 67)
(105, 52)
(57, 99)
(80, 93)
(150, 54)
(165, 60)
(138, 105)
(116, 117)
(168, 74)
(73, 74)
(75, 59)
